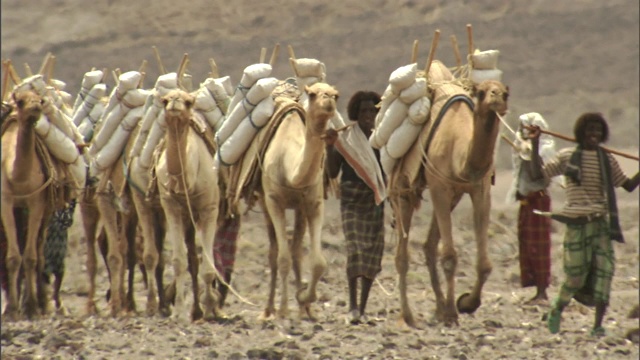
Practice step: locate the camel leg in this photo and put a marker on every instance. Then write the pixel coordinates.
(430, 249)
(159, 230)
(132, 261)
(150, 254)
(481, 200)
(208, 224)
(175, 233)
(13, 259)
(43, 300)
(442, 199)
(90, 216)
(277, 215)
(192, 261)
(403, 209)
(30, 260)
(270, 310)
(296, 246)
(318, 264)
(114, 255)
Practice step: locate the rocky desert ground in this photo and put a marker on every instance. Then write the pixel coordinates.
(559, 59)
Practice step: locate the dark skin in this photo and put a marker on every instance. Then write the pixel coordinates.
(593, 136)
(366, 121)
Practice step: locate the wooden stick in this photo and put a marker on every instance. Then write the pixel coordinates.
(5, 78)
(470, 38)
(340, 129)
(214, 68)
(456, 50)
(142, 71)
(291, 53)
(263, 54)
(181, 69)
(14, 75)
(292, 61)
(163, 70)
(432, 51)
(414, 52)
(505, 138)
(104, 75)
(45, 63)
(567, 138)
(52, 63)
(27, 70)
(116, 77)
(274, 54)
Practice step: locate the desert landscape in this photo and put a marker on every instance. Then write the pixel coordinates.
(558, 58)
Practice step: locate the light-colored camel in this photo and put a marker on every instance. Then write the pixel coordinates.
(189, 195)
(459, 161)
(24, 185)
(292, 171)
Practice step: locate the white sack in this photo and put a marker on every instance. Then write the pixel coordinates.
(485, 60)
(237, 143)
(419, 111)
(394, 116)
(91, 99)
(310, 68)
(415, 91)
(478, 76)
(60, 145)
(89, 80)
(402, 138)
(403, 77)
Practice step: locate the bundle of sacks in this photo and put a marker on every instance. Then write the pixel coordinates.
(212, 99)
(484, 66)
(404, 109)
(89, 104)
(250, 109)
(121, 115)
(57, 131)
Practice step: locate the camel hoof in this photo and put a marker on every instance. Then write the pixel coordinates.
(196, 314)
(466, 304)
(304, 296)
(62, 311)
(267, 315)
(409, 320)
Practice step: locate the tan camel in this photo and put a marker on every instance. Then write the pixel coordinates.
(459, 161)
(23, 186)
(189, 195)
(292, 171)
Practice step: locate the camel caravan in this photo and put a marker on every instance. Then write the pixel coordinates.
(175, 167)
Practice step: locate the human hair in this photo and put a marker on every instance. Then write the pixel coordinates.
(586, 118)
(354, 103)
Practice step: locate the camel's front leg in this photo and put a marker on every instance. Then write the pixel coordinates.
(208, 224)
(175, 234)
(13, 259)
(318, 264)
(481, 199)
(299, 227)
(270, 310)
(90, 216)
(442, 199)
(403, 210)
(115, 258)
(30, 259)
(276, 212)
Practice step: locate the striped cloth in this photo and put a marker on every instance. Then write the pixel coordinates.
(55, 247)
(589, 263)
(363, 227)
(588, 196)
(225, 245)
(534, 238)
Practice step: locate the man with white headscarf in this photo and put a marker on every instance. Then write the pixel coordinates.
(534, 232)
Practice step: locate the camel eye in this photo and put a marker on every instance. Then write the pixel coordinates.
(165, 102)
(20, 103)
(312, 96)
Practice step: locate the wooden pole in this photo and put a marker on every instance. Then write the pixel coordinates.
(456, 50)
(214, 68)
(14, 75)
(414, 52)
(263, 55)
(163, 70)
(52, 63)
(45, 63)
(27, 70)
(506, 138)
(292, 59)
(567, 138)
(274, 54)
(181, 69)
(432, 52)
(5, 78)
(142, 70)
(470, 38)
(291, 53)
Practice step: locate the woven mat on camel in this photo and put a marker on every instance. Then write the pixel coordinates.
(55, 171)
(443, 86)
(245, 175)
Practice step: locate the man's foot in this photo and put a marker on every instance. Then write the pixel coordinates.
(598, 331)
(537, 300)
(354, 317)
(553, 320)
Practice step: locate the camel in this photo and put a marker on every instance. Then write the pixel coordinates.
(292, 178)
(23, 186)
(189, 196)
(459, 161)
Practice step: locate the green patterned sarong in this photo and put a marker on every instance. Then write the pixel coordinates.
(589, 263)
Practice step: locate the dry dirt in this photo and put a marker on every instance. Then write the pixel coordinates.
(559, 59)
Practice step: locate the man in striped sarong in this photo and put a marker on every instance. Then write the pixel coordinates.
(534, 232)
(590, 213)
(224, 253)
(362, 212)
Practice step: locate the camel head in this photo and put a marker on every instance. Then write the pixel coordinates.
(28, 105)
(492, 95)
(322, 105)
(177, 108)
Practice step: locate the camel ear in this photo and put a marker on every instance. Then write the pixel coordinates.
(479, 94)
(191, 99)
(312, 94)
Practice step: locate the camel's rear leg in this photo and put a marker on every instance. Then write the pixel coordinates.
(13, 259)
(30, 260)
(90, 216)
(132, 261)
(403, 208)
(115, 256)
(481, 199)
(192, 254)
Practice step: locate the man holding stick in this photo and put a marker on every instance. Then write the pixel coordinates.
(590, 213)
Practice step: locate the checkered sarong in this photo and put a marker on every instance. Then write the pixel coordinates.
(55, 247)
(589, 263)
(363, 227)
(534, 239)
(224, 245)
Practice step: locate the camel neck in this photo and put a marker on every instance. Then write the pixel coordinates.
(482, 145)
(176, 148)
(25, 151)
